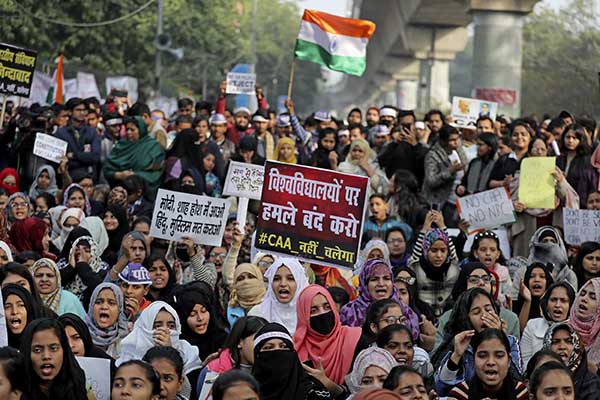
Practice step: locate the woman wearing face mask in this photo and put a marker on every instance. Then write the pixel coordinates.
(454, 359)
(278, 369)
(47, 279)
(50, 367)
(587, 263)
(585, 318)
(247, 291)
(19, 310)
(320, 337)
(492, 377)
(69, 220)
(555, 305)
(106, 319)
(535, 282)
(476, 274)
(370, 369)
(237, 353)
(434, 260)
(565, 342)
(397, 340)
(287, 279)
(376, 283)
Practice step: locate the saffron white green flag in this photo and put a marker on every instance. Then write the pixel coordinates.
(337, 43)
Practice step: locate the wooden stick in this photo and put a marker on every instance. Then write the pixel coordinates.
(291, 83)
(3, 111)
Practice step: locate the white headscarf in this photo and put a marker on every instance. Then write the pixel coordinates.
(135, 345)
(7, 250)
(55, 213)
(371, 356)
(364, 254)
(274, 311)
(96, 228)
(76, 213)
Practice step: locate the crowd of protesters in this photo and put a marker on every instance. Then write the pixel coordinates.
(421, 315)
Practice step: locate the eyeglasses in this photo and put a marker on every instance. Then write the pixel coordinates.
(18, 205)
(408, 280)
(264, 264)
(475, 280)
(391, 320)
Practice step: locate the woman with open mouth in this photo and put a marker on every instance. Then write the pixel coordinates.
(50, 367)
(376, 282)
(106, 318)
(47, 279)
(19, 310)
(564, 341)
(492, 377)
(537, 279)
(287, 278)
(455, 360)
(585, 318)
(555, 304)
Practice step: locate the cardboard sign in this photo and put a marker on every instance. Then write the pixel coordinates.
(177, 215)
(49, 147)
(581, 226)
(244, 180)
(97, 375)
(536, 183)
(16, 70)
(240, 83)
(465, 111)
(486, 210)
(311, 213)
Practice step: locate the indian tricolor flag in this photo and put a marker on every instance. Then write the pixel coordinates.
(338, 43)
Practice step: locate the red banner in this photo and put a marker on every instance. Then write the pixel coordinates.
(311, 213)
(501, 96)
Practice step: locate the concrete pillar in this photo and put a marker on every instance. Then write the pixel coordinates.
(406, 94)
(497, 56)
(434, 84)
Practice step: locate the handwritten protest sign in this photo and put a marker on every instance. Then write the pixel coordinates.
(49, 147)
(465, 111)
(16, 70)
(240, 83)
(3, 335)
(486, 210)
(536, 183)
(244, 180)
(311, 213)
(581, 226)
(177, 215)
(97, 375)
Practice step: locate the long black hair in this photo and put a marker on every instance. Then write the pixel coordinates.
(151, 373)
(374, 312)
(586, 248)
(534, 309)
(166, 353)
(229, 378)
(414, 302)
(546, 297)
(165, 293)
(242, 328)
(387, 333)
(33, 311)
(12, 363)
(393, 379)
(21, 270)
(532, 364)
(542, 370)
(459, 321)
(69, 383)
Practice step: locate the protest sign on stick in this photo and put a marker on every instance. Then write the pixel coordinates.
(17, 66)
(536, 183)
(486, 210)
(311, 213)
(466, 111)
(240, 83)
(177, 215)
(97, 375)
(49, 147)
(581, 226)
(244, 180)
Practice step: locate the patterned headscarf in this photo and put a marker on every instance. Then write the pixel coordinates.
(77, 287)
(52, 299)
(118, 195)
(369, 357)
(588, 330)
(578, 353)
(106, 337)
(432, 236)
(67, 194)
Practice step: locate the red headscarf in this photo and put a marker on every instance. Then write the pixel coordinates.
(9, 172)
(335, 350)
(28, 234)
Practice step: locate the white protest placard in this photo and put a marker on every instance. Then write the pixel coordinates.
(49, 147)
(97, 375)
(244, 180)
(466, 111)
(581, 226)
(177, 215)
(3, 335)
(240, 83)
(486, 210)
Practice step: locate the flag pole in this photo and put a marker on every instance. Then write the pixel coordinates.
(4, 98)
(291, 83)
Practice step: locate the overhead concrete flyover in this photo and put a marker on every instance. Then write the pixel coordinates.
(408, 56)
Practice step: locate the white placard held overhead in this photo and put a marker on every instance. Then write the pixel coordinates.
(486, 210)
(49, 147)
(466, 111)
(240, 83)
(581, 226)
(244, 180)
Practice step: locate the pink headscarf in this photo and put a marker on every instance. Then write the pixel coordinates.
(335, 350)
(588, 330)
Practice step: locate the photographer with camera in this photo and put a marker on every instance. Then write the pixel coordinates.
(83, 151)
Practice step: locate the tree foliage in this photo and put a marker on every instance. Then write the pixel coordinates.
(215, 35)
(561, 49)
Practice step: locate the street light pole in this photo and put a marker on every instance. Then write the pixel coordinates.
(253, 37)
(159, 31)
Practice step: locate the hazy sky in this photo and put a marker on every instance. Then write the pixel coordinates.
(338, 7)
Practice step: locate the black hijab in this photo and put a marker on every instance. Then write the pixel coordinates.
(165, 294)
(184, 299)
(534, 309)
(33, 311)
(279, 372)
(116, 237)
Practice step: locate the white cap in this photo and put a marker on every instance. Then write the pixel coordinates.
(387, 112)
(420, 125)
